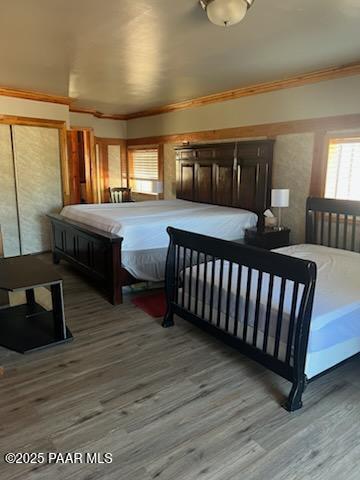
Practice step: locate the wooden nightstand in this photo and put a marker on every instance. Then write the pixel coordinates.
(267, 238)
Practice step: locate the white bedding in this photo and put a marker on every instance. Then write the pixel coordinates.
(335, 326)
(143, 227)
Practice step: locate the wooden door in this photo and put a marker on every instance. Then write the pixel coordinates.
(224, 183)
(204, 182)
(186, 183)
(253, 176)
(82, 166)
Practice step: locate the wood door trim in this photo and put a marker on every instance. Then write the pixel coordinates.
(31, 121)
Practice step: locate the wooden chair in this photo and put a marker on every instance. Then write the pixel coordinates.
(120, 195)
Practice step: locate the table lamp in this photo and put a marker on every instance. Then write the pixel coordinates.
(279, 200)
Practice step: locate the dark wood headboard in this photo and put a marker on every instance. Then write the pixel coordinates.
(236, 174)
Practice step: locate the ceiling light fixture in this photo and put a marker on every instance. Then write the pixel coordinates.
(226, 12)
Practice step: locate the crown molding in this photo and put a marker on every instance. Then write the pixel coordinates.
(34, 95)
(330, 73)
(97, 114)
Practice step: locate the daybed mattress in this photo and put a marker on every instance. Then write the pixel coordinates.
(335, 325)
(143, 227)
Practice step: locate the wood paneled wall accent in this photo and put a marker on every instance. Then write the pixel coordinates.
(61, 127)
(230, 174)
(270, 130)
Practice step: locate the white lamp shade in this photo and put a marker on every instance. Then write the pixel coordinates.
(280, 197)
(226, 12)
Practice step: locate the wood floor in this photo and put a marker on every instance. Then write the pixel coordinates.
(169, 404)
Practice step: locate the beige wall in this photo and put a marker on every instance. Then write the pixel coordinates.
(34, 109)
(293, 155)
(104, 128)
(327, 98)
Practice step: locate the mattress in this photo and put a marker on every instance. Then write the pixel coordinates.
(335, 326)
(143, 227)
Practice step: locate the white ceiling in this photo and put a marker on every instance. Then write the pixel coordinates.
(121, 56)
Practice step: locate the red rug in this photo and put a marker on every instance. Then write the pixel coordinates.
(154, 304)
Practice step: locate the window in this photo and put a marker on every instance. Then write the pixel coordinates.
(343, 169)
(145, 171)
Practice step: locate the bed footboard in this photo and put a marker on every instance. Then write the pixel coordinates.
(94, 252)
(257, 301)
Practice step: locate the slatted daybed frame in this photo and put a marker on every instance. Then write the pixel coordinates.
(258, 333)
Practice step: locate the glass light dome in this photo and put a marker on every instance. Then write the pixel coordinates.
(226, 12)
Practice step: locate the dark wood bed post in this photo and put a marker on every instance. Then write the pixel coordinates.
(116, 277)
(94, 252)
(169, 282)
(294, 401)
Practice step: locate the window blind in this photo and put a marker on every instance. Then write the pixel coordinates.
(144, 170)
(343, 170)
(145, 164)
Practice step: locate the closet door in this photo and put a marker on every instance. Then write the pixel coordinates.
(8, 210)
(39, 192)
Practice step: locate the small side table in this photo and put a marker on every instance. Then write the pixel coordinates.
(29, 327)
(267, 238)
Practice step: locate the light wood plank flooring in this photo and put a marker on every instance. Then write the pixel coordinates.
(169, 404)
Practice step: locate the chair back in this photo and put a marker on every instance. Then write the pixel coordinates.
(120, 194)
